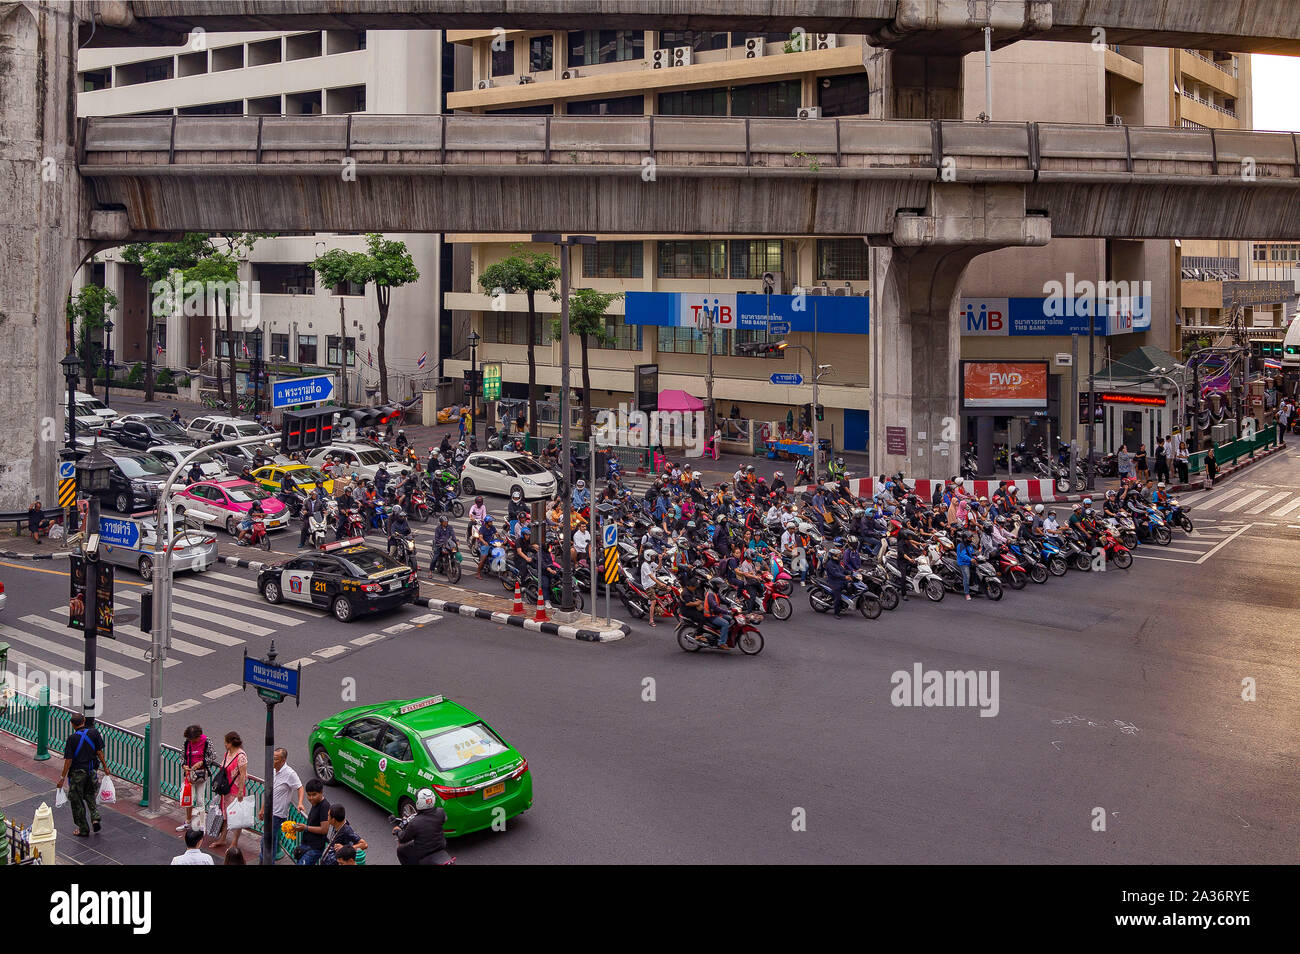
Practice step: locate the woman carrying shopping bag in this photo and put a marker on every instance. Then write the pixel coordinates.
(197, 766)
(231, 783)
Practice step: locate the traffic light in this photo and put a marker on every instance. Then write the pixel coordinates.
(821, 412)
(364, 417)
(307, 429)
(761, 347)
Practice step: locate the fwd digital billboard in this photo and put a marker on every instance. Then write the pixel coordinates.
(1004, 384)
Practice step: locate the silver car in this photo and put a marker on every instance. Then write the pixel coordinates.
(173, 454)
(191, 550)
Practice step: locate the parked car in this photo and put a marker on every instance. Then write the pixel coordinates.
(89, 408)
(247, 455)
(363, 460)
(143, 431)
(172, 454)
(504, 472)
(134, 481)
(223, 503)
(221, 427)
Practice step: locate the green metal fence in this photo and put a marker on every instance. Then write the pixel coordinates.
(33, 719)
(1229, 453)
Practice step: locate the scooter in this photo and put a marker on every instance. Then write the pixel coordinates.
(447, 562)
(855, 594)
(257, 536)
(402, 547)
(743, 635)
(439, 857)
(317, 526)
(923, 579)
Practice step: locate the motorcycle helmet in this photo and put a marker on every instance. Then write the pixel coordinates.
(853, 541)
(1038, 508)
(690, 524)
(478, 500)
(442, 518)
(487, 519)
(425, 800)
(777, 474)
(399, 512)
(581, 484)
(836, 552)
(516, 496)
(716, 583)
(650, 554)
(960, 481)
(806, 527)
(657, 532)
(1075, 507)
(1161, 484)
(749, 468)
(1087, 501)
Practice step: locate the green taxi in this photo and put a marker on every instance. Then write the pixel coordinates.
(391, 750)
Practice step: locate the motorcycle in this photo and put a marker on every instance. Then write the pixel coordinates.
(1009, 568)
(1176, 515)
(447, 562)
(317, 527)
(743, 635)
(983, 576)
(1035, 568)
(257, 535)
(354, 524)
(772, 601)
(1053, 557)
(402, 547)
(855, 594)
(923, 578)
(1114, 550)
(419, 506)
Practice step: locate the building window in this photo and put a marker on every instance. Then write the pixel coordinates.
(750, 258)
(503, 61)
(279, 346)
(332, 350)
(697, 40)
(694, 102)
(621, 106)
(590, 47)
(540, 54)
(619, 335)
(545, 109)
(278, 279)
(846, 95)
(842, 259)
(693, 259)
(612, 260)
(691, 341)
(767, 99)
(511, 327)
(306, 349)
(154, 72)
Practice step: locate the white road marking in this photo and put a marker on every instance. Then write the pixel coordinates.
(1283, 511)
(1268, 503)
(304, 661)
(397, 628)
(426, 618)
(229, 577)
(183, 610)
(225, 690)
(1203, 503)
(258, 609)
(329, 652)
(132, 722)
(76, 655)
(190, 629)
(367, 639)
(180, 706)
(32, 686)
(111, 645)
(1223, 544)
(1241, 501)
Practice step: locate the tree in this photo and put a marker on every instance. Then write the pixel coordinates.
(219, 268)
(527, 272)
(335, 268)
(86, 312)
(587, 320)
(386, 264)
(157, 262)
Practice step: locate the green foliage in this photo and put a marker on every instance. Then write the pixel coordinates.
(521, 272)
(164, 376)
(184, 382)
(587, 309)
(388, 264)
(338, 266)
(157, 260)
(136, 374)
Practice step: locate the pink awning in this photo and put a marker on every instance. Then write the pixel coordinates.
(674, 400)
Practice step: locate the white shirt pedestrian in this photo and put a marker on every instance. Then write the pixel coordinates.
(284, 790)
(193, 856)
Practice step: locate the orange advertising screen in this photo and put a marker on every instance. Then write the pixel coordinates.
(1004, 384)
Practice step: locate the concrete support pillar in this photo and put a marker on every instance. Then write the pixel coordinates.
(915, 326)
(42, 210)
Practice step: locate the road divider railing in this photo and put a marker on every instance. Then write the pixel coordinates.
(34, 719)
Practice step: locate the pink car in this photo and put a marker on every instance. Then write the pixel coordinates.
(224, 503)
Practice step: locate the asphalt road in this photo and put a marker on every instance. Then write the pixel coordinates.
(1119, 692)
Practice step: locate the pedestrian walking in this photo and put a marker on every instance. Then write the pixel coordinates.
(1181, 461)
(1124, 462)
(286, 788)
(1140, 462)
(1211, 468)
(83, 750)
(316, 829)
(197, 764)
(194, 855)
(231, 782)
(1162, 460)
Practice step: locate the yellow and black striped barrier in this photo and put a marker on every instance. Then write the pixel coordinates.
(68, 492)
(611, 566)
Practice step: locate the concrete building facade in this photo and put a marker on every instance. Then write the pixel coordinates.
(300, 323)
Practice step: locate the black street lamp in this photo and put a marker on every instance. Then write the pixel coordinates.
(473, 385)
(108, 355)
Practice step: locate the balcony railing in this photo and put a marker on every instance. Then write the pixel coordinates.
(1231, 69)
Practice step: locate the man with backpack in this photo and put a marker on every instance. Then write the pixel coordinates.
(82, 751)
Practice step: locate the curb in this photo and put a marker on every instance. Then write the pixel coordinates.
(1197, 484)
(523, 622)
(241, 562)
(55, 555)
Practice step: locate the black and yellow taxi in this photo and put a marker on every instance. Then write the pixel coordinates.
(348, 578)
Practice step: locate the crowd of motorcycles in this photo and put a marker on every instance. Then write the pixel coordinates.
(754, 545)
(1035, 460)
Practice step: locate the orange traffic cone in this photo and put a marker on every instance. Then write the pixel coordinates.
(518, 609)
(541, 606)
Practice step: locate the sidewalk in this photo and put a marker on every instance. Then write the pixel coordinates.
(126, 836)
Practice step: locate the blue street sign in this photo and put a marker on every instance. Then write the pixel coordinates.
(269, 676)
(67, 469)
(609, 535)
(293, 391)
(118, 532)
(786, 379)
(778, 328)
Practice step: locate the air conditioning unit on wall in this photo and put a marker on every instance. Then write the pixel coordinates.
(486, 84)
(754, 47)
(825, 41)
(810, 112)
(660, 59)
(681, 56)
(570, 73)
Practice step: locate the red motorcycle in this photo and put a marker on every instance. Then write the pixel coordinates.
(353, 524)
(743, 635)
(1115, 551)
(257, 536)
(1010, 569)
(419, 506)
(773, 602)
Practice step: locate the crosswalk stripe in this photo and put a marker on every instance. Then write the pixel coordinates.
(49, 646)
(1287, 509)
(180, 645)
(1241, 501)
(32, 686)
(184, 610)
(190, 629)
(1268, 503)
(246, 609)
(223, 691)
(229, 577)
(180, 706)
(132, 722)
(108, 645)
(329, 652)
(1215, 499)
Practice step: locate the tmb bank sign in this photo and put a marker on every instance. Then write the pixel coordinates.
(1053, 316)
(728, 312)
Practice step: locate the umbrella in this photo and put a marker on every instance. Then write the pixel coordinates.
(674, 400)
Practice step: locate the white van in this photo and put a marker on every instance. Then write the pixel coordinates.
(90, 409)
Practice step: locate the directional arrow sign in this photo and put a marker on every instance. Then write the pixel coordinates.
(118, 532)
(609, 535)
(291, 391)
(778, 328)
(787, 379)
(67, 469)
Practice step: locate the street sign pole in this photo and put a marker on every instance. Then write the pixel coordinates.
(268, 797)
(591, 546)
(273, 683)
(91, 632)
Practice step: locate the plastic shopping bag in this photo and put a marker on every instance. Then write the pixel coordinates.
(60, 797)
(187, 794)
(212, 821)
(241, 813)
(107, 794)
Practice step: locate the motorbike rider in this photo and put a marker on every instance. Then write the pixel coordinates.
(401, 442)
(650, 580)
(750, 584)
(692, 598)
(484, 534)
(315, 504)
(515, 510)
(381, 479)
(398, 527)
(477, 510)
(444, 541)
(910, 553)
(420, 838)
(875, 529)
(778, 483)
(525, 553)
(717, 615)
(581, 497)
(836, 575)
(246, 522)
(581, 542)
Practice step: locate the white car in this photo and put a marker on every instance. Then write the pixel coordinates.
(503, 472)
(202, 430)
(172, 454)
(360, 459)
(89, 409)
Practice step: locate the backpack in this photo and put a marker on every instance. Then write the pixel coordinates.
(221, 782)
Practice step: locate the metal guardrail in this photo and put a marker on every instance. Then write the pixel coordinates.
(832, 146)
(16, 846)
(1229, 453)
(34, 719)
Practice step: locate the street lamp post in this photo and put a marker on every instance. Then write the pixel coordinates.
(71, 369)
(474, 339)
(108, 354)
(566, 558)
